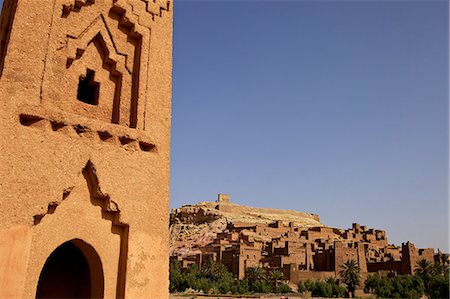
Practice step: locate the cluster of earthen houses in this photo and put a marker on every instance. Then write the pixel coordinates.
(311, 253)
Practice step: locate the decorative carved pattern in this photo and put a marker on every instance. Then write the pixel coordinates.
(143, 11)
(52, 206)
(154, 7)
(76, 7)
(119, 30)
(77, 44)
(104, 201)
(109, 207)
(129, 143)
(110, 211)
(97, 29)
(116, 62)
(129, 27)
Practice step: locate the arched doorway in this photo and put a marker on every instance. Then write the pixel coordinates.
(73, 270)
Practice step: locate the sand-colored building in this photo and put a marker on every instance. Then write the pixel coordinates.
(84, 148)
(301, 253)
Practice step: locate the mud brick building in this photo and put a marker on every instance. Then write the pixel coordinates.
(301, 253)
(84, 148)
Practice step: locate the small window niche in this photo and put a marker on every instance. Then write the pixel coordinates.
(88, 89)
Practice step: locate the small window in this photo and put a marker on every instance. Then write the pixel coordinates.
(88, 89)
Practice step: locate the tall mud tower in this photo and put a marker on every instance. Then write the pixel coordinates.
(84, 148)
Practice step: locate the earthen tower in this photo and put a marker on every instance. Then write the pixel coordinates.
(84, 148)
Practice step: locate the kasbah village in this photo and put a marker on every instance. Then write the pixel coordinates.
(86, 90)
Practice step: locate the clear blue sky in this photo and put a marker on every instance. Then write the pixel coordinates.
(338, 108)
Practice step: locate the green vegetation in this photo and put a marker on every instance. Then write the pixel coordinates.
(214, 278)
(431, 280)
(350, 274)
(274, 277)
(404, 286)
(435, 277)
(424, 270)
(328, 288)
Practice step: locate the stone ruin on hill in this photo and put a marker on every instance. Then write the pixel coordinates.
(295, 243)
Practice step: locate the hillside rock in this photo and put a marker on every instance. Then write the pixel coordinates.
(194, 226)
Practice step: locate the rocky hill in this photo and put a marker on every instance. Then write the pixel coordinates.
(194, 226)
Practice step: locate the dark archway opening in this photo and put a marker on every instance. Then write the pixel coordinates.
(73, 270)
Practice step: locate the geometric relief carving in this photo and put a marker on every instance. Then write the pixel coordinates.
(98, 58)
(133, 64)
(94, 52)
(51, 206)
(119, 103)
(129, 143)
(99, 62)
(109, 211)
(76, 6)
(154, 8)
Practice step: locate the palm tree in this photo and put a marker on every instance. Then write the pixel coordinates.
(444, 265)
(275, 276)
(254, 273)
(438, 269)
(350, 274)
(424, 269)
(213, 270)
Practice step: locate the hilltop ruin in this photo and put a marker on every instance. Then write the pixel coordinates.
(296, 243)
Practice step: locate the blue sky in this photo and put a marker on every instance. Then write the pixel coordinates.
(338, 108)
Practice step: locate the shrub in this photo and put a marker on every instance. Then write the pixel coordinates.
(301, 287)
(309, 285)
(202, 284)
(322, 289)
(439, 287)
(242, 286)
(177, 282)
(262, 286)
(371, 283)
(336, 289)
(327, 288)
(284, 288)
(405, 286)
